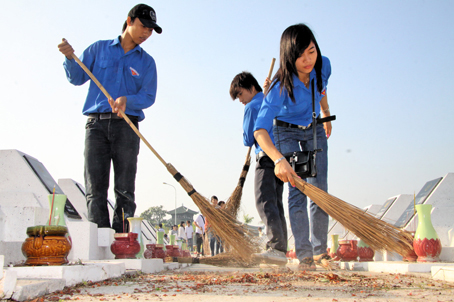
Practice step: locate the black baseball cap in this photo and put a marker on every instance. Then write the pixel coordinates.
(146, 15)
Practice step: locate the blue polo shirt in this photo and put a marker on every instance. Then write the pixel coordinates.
(132, 74)
(280, 106)
(251, 111)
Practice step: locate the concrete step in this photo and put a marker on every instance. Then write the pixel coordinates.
(27, 289)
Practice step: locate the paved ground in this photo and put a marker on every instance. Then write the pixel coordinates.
(208, 283)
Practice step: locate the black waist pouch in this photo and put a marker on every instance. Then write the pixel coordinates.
(303, 163)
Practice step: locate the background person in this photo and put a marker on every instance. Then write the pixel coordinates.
(199, 223)
(189, 232)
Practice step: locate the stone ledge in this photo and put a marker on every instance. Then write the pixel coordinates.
(27, 289)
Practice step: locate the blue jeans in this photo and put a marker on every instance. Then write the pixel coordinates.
(106, 141)
(308, 241)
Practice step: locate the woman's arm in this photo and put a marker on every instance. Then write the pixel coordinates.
(282, 168)
(325, 112)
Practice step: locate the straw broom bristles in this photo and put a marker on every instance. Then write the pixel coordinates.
(376, 233)
(227, 259)
(223, 223)
(233, 203)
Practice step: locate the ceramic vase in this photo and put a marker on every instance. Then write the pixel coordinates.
(150, 251)
(125, 246)
(347, 250)
(365, 252)
(135, 224)
(334, 246)
(57, 204)
(427, 245)
(46, 245)
(160, 237)
(159, 252)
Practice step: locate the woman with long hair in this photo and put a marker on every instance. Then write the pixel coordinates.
(288, 106)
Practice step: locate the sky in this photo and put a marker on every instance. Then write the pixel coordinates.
(392, 64)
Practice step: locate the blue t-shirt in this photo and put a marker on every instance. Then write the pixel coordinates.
(281, 107)
(251, 111)
(132, 74)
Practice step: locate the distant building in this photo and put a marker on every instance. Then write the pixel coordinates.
(183, 214)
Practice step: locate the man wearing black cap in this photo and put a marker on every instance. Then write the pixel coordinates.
(128, 73)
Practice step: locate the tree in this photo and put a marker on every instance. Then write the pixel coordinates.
(155, 216)
(247, 219)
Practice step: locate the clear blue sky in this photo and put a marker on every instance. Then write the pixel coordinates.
(392, 66)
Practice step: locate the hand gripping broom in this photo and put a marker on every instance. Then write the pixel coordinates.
(233, 203)
(378, 234)
(222, 222)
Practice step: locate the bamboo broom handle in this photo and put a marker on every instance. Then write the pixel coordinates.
(271, 68)
(121, 111)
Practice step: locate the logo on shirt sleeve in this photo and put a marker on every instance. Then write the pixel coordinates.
(134, 72)
(323, 92)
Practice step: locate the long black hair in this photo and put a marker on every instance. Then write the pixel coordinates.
(294, 41)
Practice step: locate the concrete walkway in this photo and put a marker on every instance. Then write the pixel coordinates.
(134, 280)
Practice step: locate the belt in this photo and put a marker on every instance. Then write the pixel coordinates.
(288, 125)
(259, 155)
(105, 116)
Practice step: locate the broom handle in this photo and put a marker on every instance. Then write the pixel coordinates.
(121, 111)
(271, 68)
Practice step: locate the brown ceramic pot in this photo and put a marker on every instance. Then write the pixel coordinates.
(46, 245)
(125, 246)
(347, 250)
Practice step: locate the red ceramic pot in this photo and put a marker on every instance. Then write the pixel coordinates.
(365, 254)
(148, 254)
(169, 250)
(159, 251)
(347, 250)
(176, 251)
(125, 246)
(427, 250)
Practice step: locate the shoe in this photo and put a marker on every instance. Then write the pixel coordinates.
(307, 264)
(271, 256)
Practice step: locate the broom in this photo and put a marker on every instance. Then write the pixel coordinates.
(233, 203)
(376, 233)
(222, 222)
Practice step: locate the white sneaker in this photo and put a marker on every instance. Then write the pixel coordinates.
(271, 256)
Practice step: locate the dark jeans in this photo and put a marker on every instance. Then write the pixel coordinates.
(199, 243)
(106, 141)
(212, 245)
(190, 247)
(268, 201)
(219, 247)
